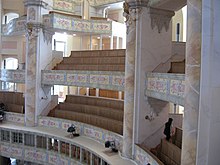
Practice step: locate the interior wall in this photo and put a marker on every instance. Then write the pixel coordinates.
(153, 48)
(85, 43)
(73, 43)
(14, 46)
(116, 15)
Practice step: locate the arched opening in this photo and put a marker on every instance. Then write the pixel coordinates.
(10, 63)
(8, 17)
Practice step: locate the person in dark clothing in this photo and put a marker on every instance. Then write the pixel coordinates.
(167, 129)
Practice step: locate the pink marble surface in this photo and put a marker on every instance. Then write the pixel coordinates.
(192, 79)
(129, 85)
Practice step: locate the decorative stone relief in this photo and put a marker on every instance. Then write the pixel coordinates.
(160, 18)
(32, 30)
(48, 35)
(36, 3)
(31, 14)
(131, 15)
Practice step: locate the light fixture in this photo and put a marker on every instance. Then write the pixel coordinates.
(111, 144)
(72, 130)
(98, 38)
(74, 35)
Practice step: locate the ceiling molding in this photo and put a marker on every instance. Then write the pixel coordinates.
(103, 2)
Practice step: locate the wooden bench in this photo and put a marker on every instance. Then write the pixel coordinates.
(93, 60)
(99, 53)
(97, 67)
(96, 101)
(94, 110)
(170, 153)
(14, 101)
(102, 122)
(15, 108)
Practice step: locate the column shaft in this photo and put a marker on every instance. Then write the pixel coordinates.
(129, 85)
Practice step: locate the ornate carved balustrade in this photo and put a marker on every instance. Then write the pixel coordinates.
(166, 86)
(39, 147)
(59, 21)
(95, 79)
(15, 76)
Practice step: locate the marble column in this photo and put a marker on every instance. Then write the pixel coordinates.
(130, 14)
(192, 82)
(209, 124)
(38, 56)
(30, 76)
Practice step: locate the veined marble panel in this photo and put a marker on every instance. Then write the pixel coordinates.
(15, 26)
(13, 151)
(166, 86)
(71, 23)
(95, 79)
(16, 76)
(36, 155)
(14, 117)
(33, 155)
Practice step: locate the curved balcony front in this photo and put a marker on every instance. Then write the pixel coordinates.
(68, 150)
(15, 27)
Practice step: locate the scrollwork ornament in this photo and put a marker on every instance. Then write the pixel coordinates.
(131, 15)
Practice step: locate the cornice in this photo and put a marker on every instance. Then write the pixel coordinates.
(41, 3)
(137, 3)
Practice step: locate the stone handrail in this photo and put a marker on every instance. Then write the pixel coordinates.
(98, 134)
(95, 79)
(141, 156)
(165, 86)
(90, 131)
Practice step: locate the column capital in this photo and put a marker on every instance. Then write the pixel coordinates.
(131, 14)
(160, 18)
(32, 30)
